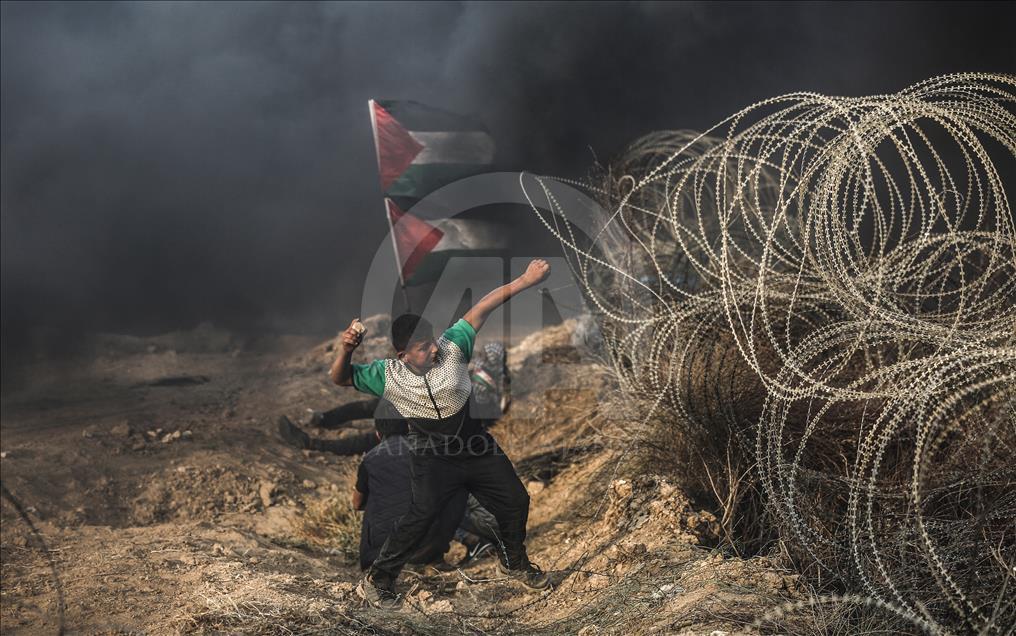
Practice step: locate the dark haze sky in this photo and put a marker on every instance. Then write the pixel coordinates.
(165, 164)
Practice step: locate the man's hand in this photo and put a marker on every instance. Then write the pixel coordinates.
(536, 273)
(350, 339)
(353, 336)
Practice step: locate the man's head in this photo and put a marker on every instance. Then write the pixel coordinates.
(413, 338)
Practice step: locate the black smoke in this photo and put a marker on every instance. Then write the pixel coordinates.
(165, 164)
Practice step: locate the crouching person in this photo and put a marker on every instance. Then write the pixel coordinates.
(382, 492)
(428, 383)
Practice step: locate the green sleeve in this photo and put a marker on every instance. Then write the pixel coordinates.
(370, 378)
(463, 335)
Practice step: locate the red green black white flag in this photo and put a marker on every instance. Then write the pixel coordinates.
(419, 150)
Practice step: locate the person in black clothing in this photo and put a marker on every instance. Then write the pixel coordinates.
(386, 463)
(429, 385)
(381, 492)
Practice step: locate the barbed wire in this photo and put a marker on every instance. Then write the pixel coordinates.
(859, 255)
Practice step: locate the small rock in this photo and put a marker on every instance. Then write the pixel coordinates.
(265, 491)
(441, 607)
(3, 455)
(423, 596)
(187, 434)
(138, 445)
(307, 483)
(534, 487)
(167, 438)
(123, 429)
(461, 586)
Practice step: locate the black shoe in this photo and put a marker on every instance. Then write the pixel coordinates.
(317, 419)
(529, 575)
(292, 433)
(378, 595)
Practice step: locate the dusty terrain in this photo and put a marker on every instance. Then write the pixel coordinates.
(165, 503)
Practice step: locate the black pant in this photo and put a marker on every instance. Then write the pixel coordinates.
(438, 478)
(342, 415)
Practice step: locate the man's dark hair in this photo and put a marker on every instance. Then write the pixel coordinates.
(409, 328)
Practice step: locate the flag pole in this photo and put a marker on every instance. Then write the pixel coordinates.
(398, 265)
(388, 214)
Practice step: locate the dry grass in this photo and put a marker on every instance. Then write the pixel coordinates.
(332, 524)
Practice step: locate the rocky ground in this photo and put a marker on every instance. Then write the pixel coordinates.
(163, 501)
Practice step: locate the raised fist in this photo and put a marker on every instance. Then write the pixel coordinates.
(537, 272)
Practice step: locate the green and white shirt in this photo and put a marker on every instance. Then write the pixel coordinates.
(436, 404)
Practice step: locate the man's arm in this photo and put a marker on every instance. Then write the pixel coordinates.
(361, 488)
(341, 372)
(536, 273)
(359, 500)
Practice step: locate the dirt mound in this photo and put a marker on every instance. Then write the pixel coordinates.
(650, 507)
(190, 492)
(205, 338)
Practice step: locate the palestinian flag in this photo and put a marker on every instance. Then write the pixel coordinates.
(419, 150)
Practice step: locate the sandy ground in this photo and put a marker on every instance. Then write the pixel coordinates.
(165, 503)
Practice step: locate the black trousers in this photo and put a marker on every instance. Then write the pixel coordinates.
(342, 415)
(436, 480)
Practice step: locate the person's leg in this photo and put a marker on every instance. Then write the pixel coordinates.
(342, 415)
(435, 481)
(346, 445)
(435, 543)
(494, 483)
(368, 551)
(479, 521)
(291, 433)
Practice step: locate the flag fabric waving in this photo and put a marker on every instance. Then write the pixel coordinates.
(420, 149)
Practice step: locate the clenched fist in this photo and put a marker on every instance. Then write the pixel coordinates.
(536, 273)
(353, 335)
